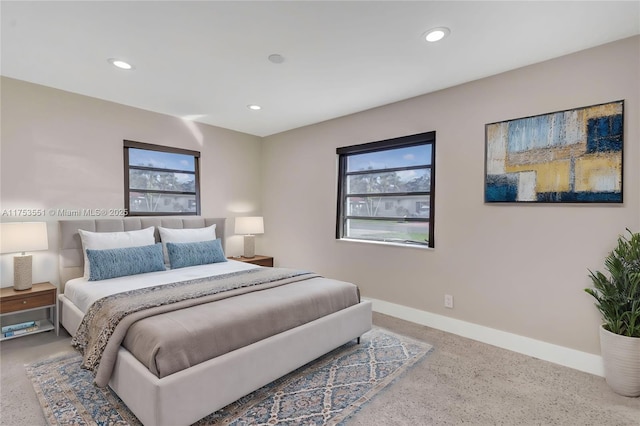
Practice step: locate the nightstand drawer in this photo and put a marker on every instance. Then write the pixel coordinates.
(263, 262)
(258, 259)
(18, 303)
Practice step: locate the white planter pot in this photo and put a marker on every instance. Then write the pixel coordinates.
(621, 356)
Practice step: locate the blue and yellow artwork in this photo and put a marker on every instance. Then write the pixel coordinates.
(572, 156)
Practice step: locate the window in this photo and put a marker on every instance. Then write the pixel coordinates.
(385, 190)
(159, 180)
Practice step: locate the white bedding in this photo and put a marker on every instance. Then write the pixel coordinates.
(83, 292)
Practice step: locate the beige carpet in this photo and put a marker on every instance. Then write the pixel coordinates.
(466, 382)
(460, 382)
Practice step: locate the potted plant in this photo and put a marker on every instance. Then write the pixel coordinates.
(618, 300)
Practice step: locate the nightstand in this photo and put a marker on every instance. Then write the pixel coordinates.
(256, 260)
(24, 306)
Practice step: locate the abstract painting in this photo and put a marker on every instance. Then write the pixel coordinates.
(572, 156)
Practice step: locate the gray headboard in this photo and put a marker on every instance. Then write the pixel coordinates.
(71, 262)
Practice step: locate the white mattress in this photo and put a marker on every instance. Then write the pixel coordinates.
(83, 292)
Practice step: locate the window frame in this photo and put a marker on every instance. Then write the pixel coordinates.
(427, 138)
(127, 144)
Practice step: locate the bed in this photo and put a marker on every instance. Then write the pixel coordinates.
(187, 395)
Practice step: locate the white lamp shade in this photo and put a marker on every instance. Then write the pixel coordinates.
(249, 225)
(18, 237)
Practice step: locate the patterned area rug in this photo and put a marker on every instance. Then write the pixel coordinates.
(324, 392)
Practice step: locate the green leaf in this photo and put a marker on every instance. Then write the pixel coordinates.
(617, 294)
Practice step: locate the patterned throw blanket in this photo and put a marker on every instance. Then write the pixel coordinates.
(105, 324)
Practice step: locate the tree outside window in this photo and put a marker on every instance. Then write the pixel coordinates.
(161, 180)
(386, 190)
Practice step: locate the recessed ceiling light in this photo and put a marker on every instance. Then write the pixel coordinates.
(436, 34)
(276, 58)
(254, 107)
(120, 64)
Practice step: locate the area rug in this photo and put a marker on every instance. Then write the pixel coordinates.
(326, 391)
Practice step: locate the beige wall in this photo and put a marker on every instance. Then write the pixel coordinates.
(517, 268)
(64, 151)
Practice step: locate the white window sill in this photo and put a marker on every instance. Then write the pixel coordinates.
(385, 243)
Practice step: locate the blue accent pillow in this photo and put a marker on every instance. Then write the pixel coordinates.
(120, 262)
(191, 254)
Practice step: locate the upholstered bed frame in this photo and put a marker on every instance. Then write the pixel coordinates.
(186, 396)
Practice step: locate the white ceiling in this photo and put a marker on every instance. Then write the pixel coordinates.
(207, 60)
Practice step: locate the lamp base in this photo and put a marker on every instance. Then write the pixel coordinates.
(249, 246)
(22, 279)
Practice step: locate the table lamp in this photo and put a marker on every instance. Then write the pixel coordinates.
(249, 226)
(16, 237)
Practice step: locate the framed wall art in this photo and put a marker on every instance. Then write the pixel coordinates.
(572, 156)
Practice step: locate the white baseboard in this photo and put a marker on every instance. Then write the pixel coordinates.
(557, 354)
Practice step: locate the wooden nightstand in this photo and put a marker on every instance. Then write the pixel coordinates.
(256, 260)
(22, 306)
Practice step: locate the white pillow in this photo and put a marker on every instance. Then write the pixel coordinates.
(189, 235)
(112, 240)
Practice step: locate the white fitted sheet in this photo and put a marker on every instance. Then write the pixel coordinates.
(83, 293)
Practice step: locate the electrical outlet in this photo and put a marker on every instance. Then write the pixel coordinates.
(448, 301)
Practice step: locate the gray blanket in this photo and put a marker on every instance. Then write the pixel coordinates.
(180, 339)
(105, 325)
